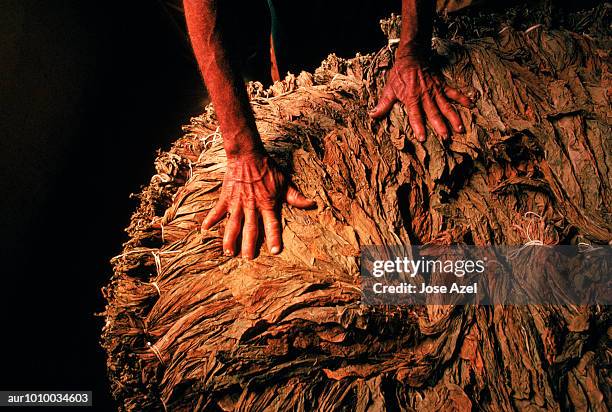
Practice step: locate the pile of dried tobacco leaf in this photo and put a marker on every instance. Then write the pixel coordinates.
(187, 328)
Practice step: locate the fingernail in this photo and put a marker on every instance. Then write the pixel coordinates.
(228, 252)
(421, 138)
(461, 129)
(274, 250)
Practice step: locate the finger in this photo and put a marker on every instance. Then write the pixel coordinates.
(458, 97)
(297, 199)
(249, 233)
(215, 214)
(385, 103)
(415, 117)
(434, 116)
(449, 112)
(272, 229)
(431, 110)
(232, 230)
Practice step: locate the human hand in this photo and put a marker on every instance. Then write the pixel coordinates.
(420, 90)
(253, 186)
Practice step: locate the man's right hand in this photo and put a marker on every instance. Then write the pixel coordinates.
(253, 186)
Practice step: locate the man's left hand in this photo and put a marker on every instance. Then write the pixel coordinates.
(421, 91)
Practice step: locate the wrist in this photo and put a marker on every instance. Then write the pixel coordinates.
(412, 52)
(244, 148)
(255, 161)
(244, 154)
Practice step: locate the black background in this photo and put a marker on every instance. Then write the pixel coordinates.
(88, 91)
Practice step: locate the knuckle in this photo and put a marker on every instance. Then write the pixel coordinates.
(267, 204)
(231, 225)
(273, 231)
(292, 193)
(248, 199)
(273, 224)
(412, 104)
(250, 226)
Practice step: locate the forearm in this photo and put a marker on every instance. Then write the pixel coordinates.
(223, 80)
(417, 26)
